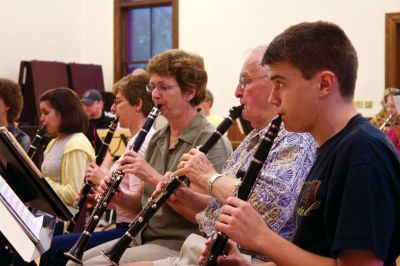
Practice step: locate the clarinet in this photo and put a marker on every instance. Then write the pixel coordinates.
(76, 252)
(385, 123)
(115, 252)
(36, 141)
(219, 239)
(88, 185)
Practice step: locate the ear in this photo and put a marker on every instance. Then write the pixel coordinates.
(189, 95)
(138, 106)
(327, 82)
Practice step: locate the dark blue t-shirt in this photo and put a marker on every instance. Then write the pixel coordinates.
(351, 197)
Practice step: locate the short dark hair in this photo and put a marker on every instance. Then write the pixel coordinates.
(133, 87)
(315, 46)
(11, 94)
(187, 68)
(67, 103)
(209, 97)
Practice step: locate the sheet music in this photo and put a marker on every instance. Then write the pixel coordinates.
(29, 223)
(396, 99)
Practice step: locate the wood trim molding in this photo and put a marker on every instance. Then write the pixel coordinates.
(392, 50)
(119, 6)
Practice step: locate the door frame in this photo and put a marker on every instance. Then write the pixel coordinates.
(392, 50)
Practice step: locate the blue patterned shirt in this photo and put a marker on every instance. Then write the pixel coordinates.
(279, 183)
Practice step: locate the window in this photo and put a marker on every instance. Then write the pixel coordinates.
(142, 28)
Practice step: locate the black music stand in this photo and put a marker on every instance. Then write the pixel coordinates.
(119, 141)
(29, 185)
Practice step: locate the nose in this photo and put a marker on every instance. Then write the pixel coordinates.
(274, 99)
(113, 108)
(238, 91)
(156, 95)
(41, 118)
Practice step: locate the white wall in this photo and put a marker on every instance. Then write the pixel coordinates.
(40, 29)
(79, 31)
(221, 31)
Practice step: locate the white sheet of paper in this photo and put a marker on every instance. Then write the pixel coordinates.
(396, 99)
(28, 221)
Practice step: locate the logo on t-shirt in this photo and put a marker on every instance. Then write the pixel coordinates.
(308, 198)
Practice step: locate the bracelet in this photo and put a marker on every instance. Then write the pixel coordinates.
(211, 181)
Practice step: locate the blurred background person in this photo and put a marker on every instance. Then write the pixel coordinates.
(68, 155)
(206, 106)
(11, 103)
(132, 105)
(379, 119)
(392, 129)
(93, 105)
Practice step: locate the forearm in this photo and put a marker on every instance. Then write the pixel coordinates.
(224, 187)
(192, 207)
(129, 201)
(283, 252)
(153, 178)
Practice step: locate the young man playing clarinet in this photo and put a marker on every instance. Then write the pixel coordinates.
(348, 212)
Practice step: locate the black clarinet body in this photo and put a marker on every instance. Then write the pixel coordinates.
(36, 141)
(107, 140)
(76, 252)
(87, 186)
(115, 252)
(219, 239)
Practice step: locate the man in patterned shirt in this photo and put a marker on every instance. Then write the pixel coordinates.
(279, 182)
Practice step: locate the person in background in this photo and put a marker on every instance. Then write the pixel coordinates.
(132, 105)
(68, 155)
(393, 129)
(379, 119)
(348, 212)
(279, 181)
(206, 106)
(178, 84)
(11, 103)
(93, 104)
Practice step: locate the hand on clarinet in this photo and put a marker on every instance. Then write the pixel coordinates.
(161, 185)
(94, 174)
(241, 223)
(104, 184)
(133, 163)
(91, 196)
(196, 167)
(232, 255)
(184, 200)
(181, 196)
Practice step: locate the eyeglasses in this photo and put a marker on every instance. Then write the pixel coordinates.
(118, 101)
(243, 82)
(161, 88)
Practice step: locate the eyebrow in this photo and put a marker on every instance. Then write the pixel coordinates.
(274, 77)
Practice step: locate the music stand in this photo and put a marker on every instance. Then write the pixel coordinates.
(28, 183)
(119, 140)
